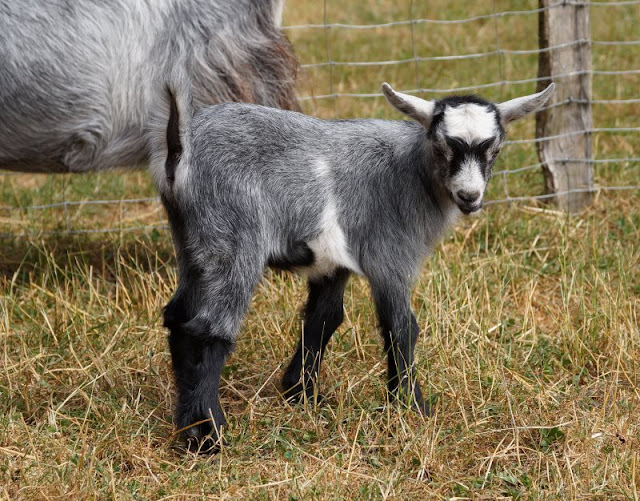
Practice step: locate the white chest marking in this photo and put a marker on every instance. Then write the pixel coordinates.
(330, 249)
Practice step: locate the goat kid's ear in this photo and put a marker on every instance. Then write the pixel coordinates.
(521, 106)
(418, 109)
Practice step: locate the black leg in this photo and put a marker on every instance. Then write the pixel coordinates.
(197, 365)
(323, 314)
(204, 318)
(400, 333)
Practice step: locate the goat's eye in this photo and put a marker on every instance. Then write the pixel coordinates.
(456, 144)
(486, 144)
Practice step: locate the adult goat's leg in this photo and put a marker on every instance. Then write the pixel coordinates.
(400, 333)
(322, 316)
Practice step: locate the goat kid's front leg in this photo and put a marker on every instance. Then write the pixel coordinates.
(400, 333)
(323, 314)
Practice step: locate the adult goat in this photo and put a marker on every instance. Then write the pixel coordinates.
(77, 77)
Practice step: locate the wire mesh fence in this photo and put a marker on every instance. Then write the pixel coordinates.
(346, 51)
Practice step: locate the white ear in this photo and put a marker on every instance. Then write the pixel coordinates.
(418, 109)
(521, 106)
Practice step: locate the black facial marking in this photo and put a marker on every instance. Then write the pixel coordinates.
(483, 146)
(463, 151)
(298, 254)
(455, 101)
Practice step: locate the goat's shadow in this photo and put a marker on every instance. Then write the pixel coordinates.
(23, 257)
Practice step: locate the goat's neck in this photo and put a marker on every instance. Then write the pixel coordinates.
(436, 212)
(421, 163)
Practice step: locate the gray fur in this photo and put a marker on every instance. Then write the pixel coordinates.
(257, 186)
(78, 77)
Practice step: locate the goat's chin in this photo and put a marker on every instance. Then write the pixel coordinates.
(470, 209)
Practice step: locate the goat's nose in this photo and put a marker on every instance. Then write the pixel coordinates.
(468, 196)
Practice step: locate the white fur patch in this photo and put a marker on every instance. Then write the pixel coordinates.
(469, 178)
(330, 248)
(470, 122)
(323, 169)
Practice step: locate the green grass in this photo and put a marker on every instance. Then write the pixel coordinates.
(529, 347)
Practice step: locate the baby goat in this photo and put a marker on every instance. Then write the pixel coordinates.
(247, 186)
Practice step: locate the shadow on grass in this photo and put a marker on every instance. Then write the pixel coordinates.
(23, 257)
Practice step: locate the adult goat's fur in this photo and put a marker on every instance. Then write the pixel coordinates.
(247, 187)
(78, 77)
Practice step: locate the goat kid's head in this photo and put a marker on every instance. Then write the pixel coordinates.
(466, 134)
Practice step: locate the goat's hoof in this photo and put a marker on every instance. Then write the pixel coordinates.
(206, 445)
(204, 438)
(423, 407)
(299, 394)
(202, 432)
(415, 402)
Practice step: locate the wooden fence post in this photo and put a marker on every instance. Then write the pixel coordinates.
(566, 158)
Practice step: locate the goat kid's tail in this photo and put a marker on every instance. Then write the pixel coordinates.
(169, 137)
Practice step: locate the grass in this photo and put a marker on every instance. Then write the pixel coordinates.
(529, 347)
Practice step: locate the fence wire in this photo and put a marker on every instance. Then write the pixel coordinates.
(20, 214)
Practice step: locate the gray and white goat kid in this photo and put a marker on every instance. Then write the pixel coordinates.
(247, 187)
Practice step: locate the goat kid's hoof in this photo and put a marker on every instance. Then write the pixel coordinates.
(299, 394)
(422, 408)
(202, 436)
(419, 405)
(206, 445)
(204, 439)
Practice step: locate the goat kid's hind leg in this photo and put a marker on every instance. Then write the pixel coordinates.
(198, 364)
(323, 314)
(200, 347)
(400, 333)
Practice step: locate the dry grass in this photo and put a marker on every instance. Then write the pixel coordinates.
(530, 346)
